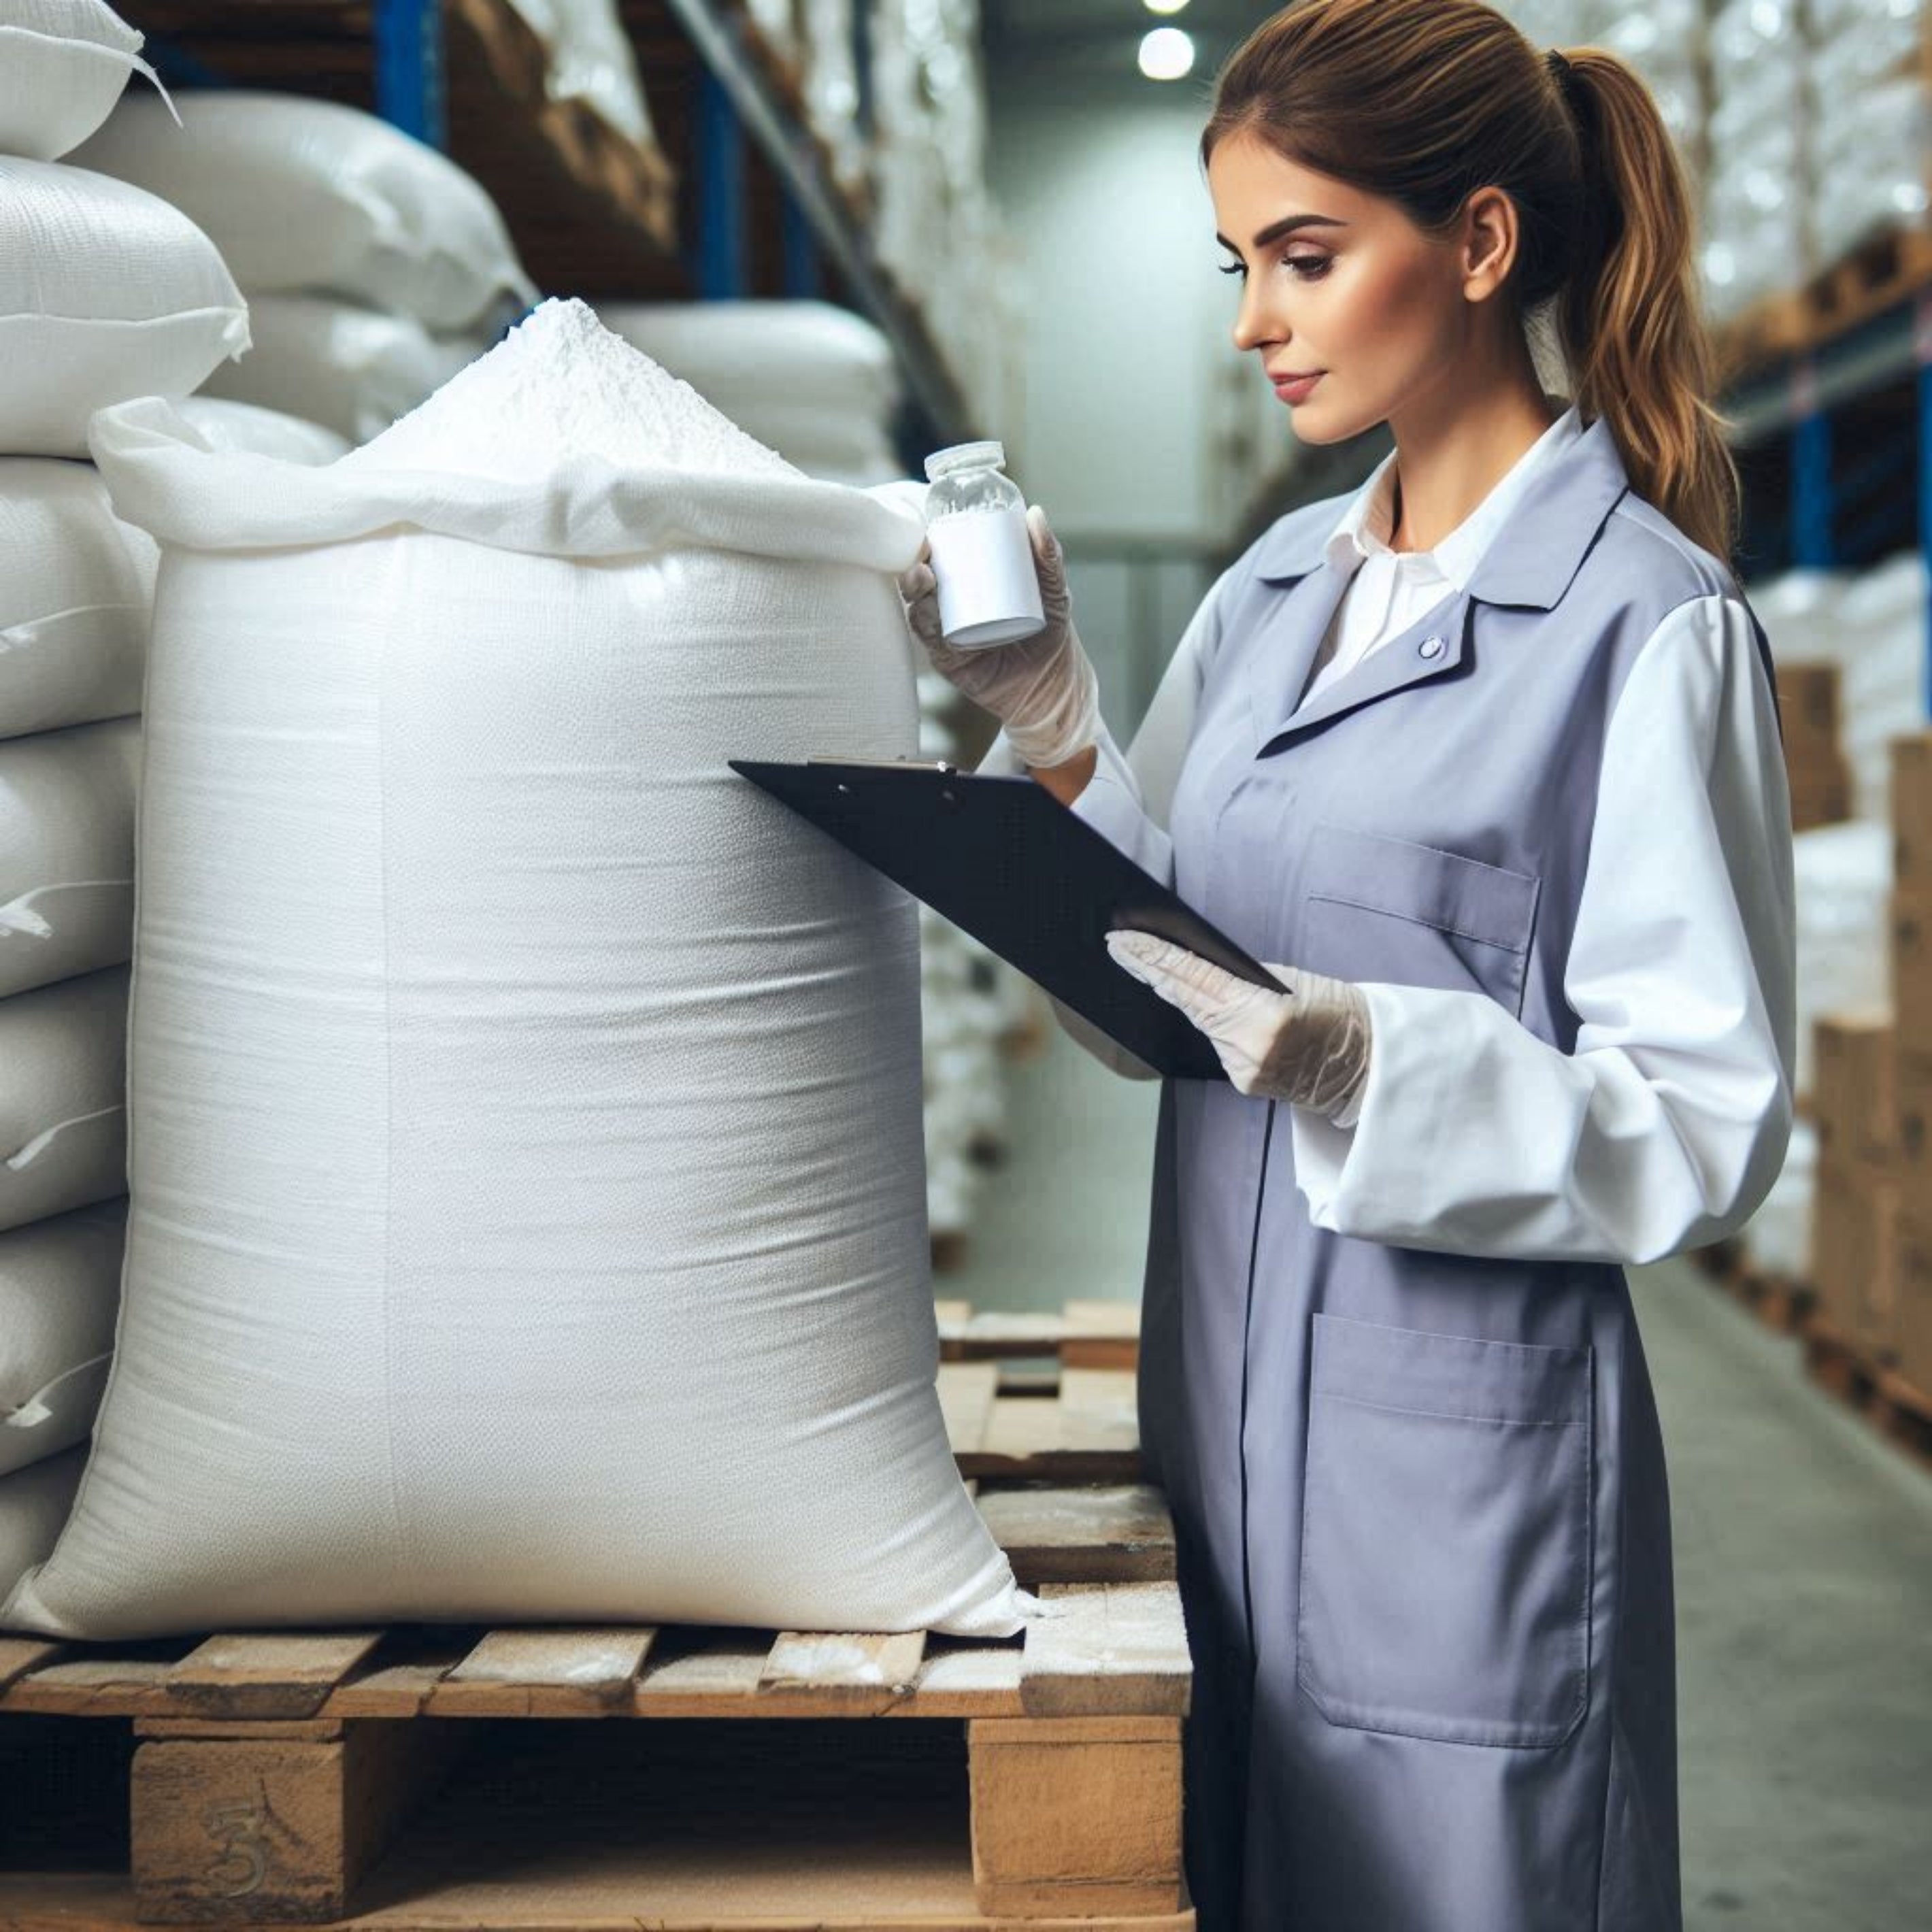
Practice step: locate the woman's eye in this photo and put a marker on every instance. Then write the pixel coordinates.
(1233, 268)
(1309, 267)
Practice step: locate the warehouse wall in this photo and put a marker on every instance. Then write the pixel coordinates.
(1127, 361)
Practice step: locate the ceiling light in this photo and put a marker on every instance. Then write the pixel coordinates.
(1167, 54)
(1166, 6)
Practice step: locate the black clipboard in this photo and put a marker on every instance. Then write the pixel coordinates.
(1004, 859)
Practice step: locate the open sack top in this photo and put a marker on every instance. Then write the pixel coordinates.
(166, 479)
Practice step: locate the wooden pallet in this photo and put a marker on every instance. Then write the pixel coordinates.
(1888, 269)
(1836, 1364)
(1903, 1411)
(1083, 1335)
(441, 1777)
(1773, 327)
(1896, 1406)
(1085, 1430)
(1782, 1303)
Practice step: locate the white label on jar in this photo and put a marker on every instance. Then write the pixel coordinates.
(984, 564)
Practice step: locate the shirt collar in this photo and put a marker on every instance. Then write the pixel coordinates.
(1366, 524)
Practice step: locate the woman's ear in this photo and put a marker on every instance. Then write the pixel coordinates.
(1489, 238)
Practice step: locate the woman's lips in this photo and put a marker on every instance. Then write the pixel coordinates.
(1293, 389)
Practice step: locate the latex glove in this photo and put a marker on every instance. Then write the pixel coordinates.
(1309, 1046)
(1042, 689)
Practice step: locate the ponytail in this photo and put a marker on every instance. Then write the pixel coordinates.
(1628, 312)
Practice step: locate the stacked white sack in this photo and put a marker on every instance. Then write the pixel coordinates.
(63, 64)
(1866, 103)
(938, 234)
(63, 1116)
(1758, 182)
(60, 1289)
(106, 292)
(528, 1208)
(590, 60)
(1871, 624)
(827, 36)
(819, 385)
(374, 266)
(1872, 627)
(34, 1504)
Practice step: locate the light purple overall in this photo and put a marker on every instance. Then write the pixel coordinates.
(1424, 1528)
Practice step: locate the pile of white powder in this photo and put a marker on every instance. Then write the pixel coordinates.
(561, 385)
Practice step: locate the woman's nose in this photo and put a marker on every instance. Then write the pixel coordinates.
(1253, 326)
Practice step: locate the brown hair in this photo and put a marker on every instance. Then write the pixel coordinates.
(1424, 101)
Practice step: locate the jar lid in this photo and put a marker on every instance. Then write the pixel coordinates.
(964, 456)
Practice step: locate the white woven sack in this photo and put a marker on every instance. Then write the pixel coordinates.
(76, 588)
(63, 63)
(249, 429)
(352, 370)
(528, 1198)
(105, 292)
(746, 357)
(63, 1103)
(34, 1503)
(302, 194)
(60, 1286)
(66, 853)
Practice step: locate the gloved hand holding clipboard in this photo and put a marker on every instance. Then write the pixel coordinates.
(1004, 861)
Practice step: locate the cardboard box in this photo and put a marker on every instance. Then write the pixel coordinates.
(1912, 1082)
(1913, 1323)
(1912, 812)
(1808, 707)
(1912, 971)
(1820, 797)
(1855, 1088)
(1857, 1255)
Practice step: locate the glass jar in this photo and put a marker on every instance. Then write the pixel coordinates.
(976, 525)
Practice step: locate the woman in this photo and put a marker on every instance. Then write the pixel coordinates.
(1488, 755)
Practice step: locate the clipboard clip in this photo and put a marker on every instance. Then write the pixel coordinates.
(887, 764)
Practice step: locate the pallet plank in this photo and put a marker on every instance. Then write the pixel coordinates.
(841, 1674)
(545, 1673)
(1089, 1433)
(706, 1673)
(1119, 1533)
(282, 1674)
(19, 1655)
(94, 1686)
(1108, 1650)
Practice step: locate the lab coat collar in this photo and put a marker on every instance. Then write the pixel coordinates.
(1530, 561)
(1369, 519)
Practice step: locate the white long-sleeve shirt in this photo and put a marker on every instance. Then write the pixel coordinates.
(1664, 1127)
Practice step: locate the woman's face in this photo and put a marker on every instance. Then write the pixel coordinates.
(1340, 285)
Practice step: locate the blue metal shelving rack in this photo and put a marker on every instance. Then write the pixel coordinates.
(1861, 472)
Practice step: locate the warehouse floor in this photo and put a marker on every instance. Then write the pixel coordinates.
(1804, 1542)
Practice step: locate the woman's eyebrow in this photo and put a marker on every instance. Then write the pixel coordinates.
(1275, 230)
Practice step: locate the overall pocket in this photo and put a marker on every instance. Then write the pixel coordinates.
(1446, 1536)
(1385, 910)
